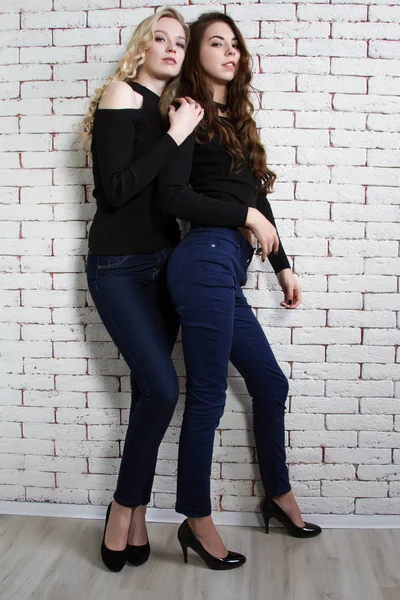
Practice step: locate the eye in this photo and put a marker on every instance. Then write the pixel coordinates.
(159, 38)
(235, 46)
(216, 44)
(180, 45)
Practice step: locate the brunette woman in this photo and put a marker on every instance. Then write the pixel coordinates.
(225, 161)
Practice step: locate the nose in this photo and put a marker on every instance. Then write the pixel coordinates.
(171, 47)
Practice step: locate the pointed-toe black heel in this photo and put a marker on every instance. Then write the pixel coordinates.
(269, 509)
(137, 555)
(187, 540)
(113, 559)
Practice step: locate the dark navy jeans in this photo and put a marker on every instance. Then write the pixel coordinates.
(205, 274)
(131, 297)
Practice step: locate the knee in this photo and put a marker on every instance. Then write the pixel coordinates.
(283, 386)
(163, 393)
(273, 389)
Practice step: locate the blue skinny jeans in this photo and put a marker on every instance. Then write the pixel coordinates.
(205, 273)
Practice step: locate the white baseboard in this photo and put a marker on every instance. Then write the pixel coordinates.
(157, 515)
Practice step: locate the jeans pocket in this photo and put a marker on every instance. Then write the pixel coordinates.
(108, 261)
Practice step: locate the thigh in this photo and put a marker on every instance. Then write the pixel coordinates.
(203, 292)
(251, 353)
(129, 299)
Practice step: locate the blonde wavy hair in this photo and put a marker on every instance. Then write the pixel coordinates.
(129, 67)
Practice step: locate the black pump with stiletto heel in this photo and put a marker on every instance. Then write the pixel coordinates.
(269, 509)
(113, 559)
(188, 539)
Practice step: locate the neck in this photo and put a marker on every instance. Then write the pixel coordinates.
(155, 85)
(219, 91)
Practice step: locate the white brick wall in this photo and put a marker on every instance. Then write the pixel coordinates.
(330, 119)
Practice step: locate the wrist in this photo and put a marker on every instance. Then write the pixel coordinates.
(251, 214)
(176, 136)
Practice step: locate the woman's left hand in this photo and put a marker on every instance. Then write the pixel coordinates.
(290, 287)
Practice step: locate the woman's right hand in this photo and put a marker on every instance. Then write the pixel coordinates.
(264, 231)
(184, 119)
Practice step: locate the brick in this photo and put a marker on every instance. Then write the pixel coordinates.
(325, 371)
(359, 489)
(363, 283)
(370, 103)
(117, 18)
(381, 506)
(25, 72)
(360, 388)
(319, 12)
(52, 55)
(348, 48)
(384, 14)
(364, 66)
(56, 19)
(365, 31)
(323, 438)
(276, 12)
(21, 38)
(86, 36)
(331, 83)
(53, 89)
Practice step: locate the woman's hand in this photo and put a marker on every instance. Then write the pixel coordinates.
(264, 231)
(184, 119)
(290, 287)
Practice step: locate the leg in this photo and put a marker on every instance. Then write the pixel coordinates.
(137, 535)
(207, 318)
(268, 386)
(128, 301)
(203, 294)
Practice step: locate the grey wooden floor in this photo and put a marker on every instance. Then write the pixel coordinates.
(50, 558)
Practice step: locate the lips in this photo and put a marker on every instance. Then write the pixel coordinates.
(170, 61)
(230, 64)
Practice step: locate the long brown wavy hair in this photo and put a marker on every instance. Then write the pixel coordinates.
(129, 67)
(243, 134)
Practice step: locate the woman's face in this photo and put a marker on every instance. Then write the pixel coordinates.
(165, 56)
(219, 52)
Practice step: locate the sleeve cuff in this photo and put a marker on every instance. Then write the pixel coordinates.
(279, 261)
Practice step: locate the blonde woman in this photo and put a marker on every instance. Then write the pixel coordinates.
(129, 243)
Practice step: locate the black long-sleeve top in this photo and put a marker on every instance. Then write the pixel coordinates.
(218, 196)
(129, 149)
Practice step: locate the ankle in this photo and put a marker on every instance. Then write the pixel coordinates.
(200, 523)
(287, 498)
(122, 512)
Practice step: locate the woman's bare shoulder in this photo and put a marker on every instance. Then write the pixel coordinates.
(119, 94)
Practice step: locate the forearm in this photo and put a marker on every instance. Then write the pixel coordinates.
(278, 261)
(174, 197)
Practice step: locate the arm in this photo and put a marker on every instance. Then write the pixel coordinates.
(122, 177)
(279, 261)
(114, 134)
(173, 196)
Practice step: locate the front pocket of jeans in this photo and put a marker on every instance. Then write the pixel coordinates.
(111, 261)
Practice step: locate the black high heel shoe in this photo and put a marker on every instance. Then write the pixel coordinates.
(137, 555)
(113, 559)
(269, 509)
(187, 540)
